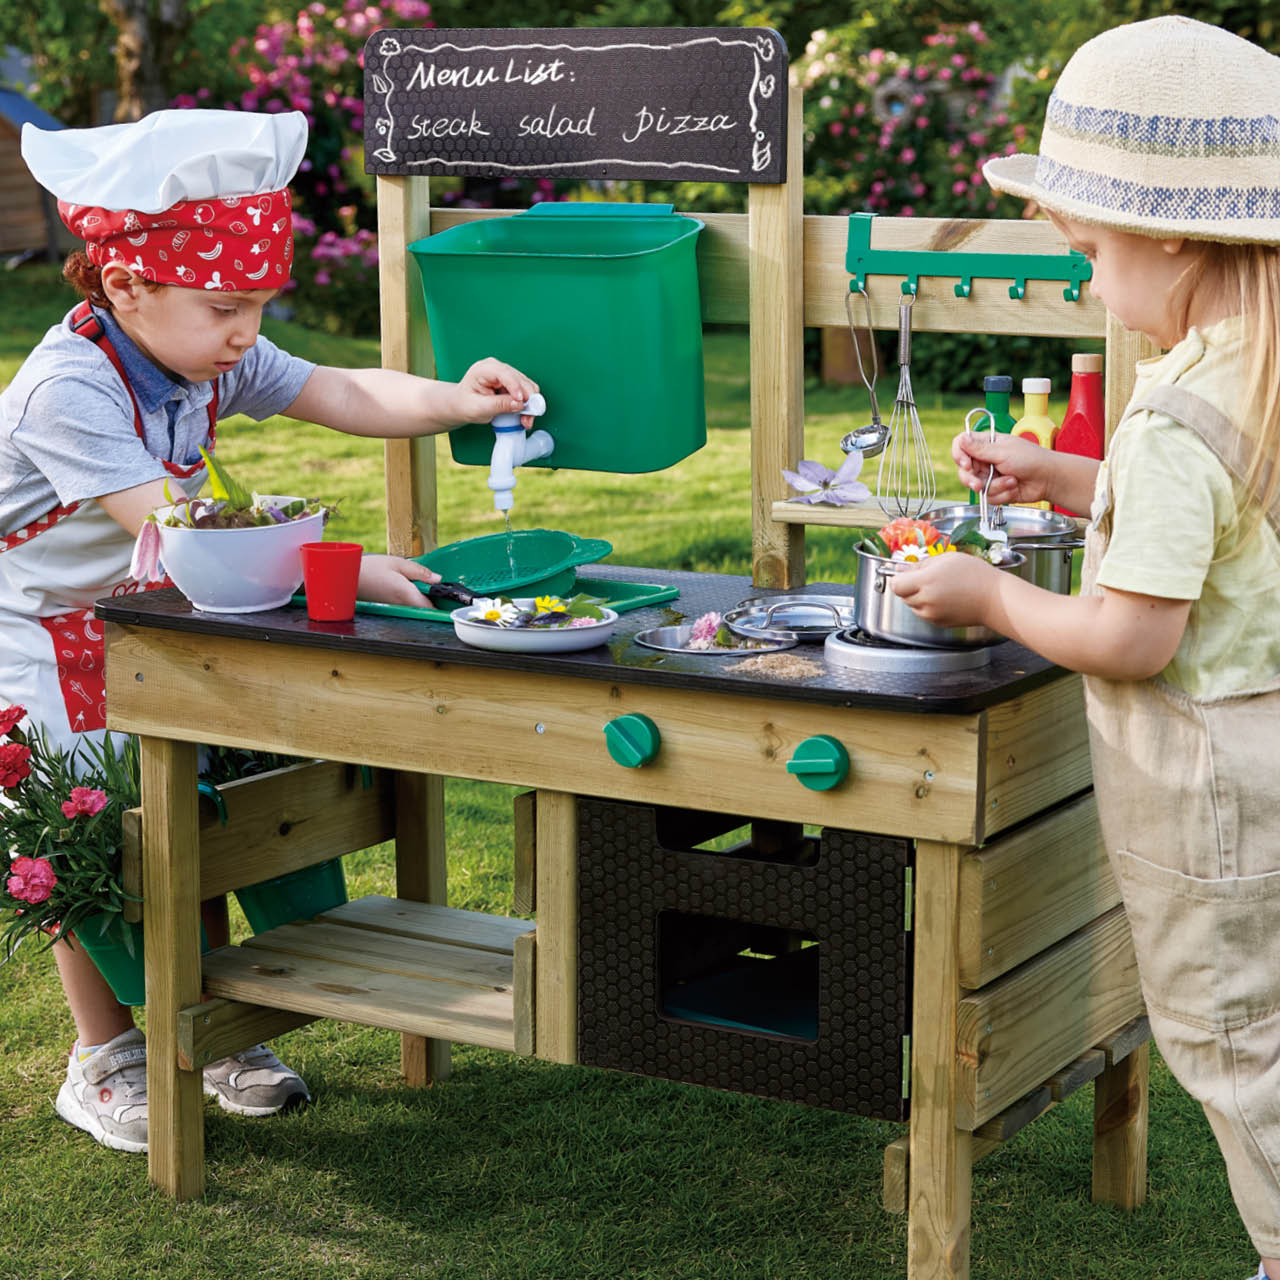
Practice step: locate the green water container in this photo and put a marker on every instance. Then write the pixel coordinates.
(598, 303)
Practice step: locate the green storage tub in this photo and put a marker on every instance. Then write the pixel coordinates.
(297, 895)
(599, 304)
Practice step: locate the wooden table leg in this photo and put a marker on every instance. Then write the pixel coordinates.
(1120, 1131)
(171, 932)
(421, 876)
(941, 1154)
(556, 1010)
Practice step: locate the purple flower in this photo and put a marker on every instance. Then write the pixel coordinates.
(815, 483)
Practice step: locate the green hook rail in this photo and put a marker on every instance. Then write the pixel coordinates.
(861, 261)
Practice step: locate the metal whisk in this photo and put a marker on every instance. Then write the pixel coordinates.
(905, 483)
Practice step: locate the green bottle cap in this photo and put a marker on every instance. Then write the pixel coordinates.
(633, 740)
(820, 762)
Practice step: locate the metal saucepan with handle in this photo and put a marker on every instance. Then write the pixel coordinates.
(888, 617)
(1046, 538)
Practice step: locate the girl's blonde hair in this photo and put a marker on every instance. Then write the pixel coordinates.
(1245, 279)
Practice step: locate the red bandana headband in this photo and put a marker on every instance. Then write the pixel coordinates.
(232, 242)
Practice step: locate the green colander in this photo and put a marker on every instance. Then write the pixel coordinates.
(534, 561)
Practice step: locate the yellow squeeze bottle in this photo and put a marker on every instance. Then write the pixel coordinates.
(1035, 423)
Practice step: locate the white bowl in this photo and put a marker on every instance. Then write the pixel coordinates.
(238, 570)
(532, 639)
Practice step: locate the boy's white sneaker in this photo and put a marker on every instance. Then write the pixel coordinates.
(255, 1083)
(106, 1094)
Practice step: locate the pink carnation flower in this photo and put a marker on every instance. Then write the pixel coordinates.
(86, 800)
(704, 631)
(31, 880)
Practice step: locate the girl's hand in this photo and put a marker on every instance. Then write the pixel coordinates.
(489, 388)
(950, 590)
(1023, 467)
(390, 579)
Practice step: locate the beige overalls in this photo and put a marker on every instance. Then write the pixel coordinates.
(1189, 796)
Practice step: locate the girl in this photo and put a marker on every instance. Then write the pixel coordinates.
(188, 235)
(1159, 162)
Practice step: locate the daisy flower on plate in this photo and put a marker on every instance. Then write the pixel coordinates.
(499, 611)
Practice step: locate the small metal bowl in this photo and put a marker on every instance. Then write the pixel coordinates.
(810, 618)
(675, 640)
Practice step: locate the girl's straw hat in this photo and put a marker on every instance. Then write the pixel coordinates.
(1164, 128)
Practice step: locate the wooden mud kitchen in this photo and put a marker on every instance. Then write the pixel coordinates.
(921, 926)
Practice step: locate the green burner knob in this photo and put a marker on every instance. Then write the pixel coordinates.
(632, 740)
(820, 762)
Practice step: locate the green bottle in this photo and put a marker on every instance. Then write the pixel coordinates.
(996, 391)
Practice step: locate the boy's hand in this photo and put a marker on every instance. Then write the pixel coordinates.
(950, 590)
(489, 388)
(1024, 467)
(390, 579)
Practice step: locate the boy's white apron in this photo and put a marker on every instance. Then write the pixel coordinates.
(1189, 796)
(51, 572)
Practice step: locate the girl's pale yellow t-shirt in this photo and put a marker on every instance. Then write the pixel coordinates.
(1174, 523)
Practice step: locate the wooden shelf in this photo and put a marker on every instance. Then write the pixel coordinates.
(865, 514)
(385, 962)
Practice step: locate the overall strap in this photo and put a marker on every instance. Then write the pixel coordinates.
(87, 325)
(1230, 446)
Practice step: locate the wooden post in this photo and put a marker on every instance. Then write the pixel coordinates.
(940, 1154)
(421, 876)
(1124, 350)
(171, 933)
(404, 215)
(1120, 1131)
(776, 242)
(556, 978)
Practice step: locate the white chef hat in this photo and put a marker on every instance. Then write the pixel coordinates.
(198, 199)
(167, 157)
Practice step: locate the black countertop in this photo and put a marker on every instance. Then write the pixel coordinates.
(1012, 671)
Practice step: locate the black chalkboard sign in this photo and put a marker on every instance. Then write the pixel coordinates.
(696, 103)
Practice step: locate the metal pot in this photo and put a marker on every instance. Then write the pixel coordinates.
(882, 614)
(1046, 538)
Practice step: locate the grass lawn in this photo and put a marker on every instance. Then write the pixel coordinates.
(516, 1170)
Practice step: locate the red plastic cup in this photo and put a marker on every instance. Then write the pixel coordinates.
(330, 575)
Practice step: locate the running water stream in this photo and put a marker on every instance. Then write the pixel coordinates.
(511, 556)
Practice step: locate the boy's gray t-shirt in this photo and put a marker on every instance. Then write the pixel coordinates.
(66, 419)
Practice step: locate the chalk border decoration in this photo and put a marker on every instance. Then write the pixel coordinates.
(699, 104)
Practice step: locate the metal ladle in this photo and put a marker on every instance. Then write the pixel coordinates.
(871, 439)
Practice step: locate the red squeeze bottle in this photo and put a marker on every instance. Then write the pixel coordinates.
(1083, 430)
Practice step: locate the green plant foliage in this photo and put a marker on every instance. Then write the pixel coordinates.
(71, 43)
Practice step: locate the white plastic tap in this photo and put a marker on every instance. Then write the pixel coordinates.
(513, 447)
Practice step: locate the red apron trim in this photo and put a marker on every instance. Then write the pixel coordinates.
(78, 651)
(81, 657)
(47, 521)
(87, 325)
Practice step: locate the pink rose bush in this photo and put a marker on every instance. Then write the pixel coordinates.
(903, 131)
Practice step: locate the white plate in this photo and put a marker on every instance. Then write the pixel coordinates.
(532, 639)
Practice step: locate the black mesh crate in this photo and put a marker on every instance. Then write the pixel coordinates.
(779, 967)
